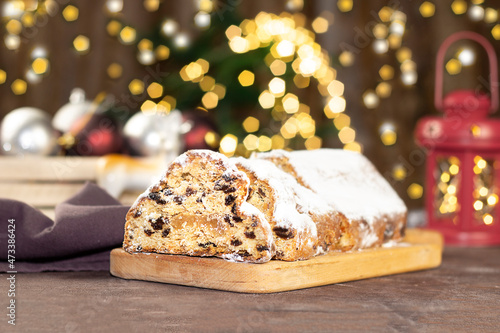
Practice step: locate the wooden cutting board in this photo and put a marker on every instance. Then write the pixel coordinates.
(421, 249)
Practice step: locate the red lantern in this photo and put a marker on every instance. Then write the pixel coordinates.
(463, 162)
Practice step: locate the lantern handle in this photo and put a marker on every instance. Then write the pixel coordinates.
(438, 93)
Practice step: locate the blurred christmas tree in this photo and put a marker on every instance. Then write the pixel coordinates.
(249, 75)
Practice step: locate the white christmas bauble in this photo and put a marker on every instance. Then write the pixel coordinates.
(27, 131)
(69, 113)
(150, 134)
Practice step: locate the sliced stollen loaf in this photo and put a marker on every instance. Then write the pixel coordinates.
(199, 208)
(371, 212)
(294, 212)
(282, 205)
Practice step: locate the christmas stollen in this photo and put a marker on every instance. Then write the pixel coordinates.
(277, 205)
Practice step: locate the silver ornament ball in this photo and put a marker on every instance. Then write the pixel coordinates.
(69, 113)
(150, 134)
(27, 131)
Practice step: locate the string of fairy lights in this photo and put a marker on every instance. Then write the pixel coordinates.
(292, 49)
(448, 184)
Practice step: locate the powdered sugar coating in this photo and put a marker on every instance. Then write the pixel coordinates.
(288, 195)
(183, 159)
(367, 236)
(347, 180)
(393, 243)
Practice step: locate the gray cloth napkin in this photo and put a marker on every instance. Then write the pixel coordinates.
(86, 227)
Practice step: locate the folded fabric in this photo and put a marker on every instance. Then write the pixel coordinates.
(86, 228)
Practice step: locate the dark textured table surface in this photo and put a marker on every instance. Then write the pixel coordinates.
(463, 295)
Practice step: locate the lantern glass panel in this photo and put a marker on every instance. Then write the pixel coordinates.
(447, 180)
(485, 197)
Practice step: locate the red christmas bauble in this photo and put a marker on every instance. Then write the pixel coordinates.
(201, 124)
(96, 135)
